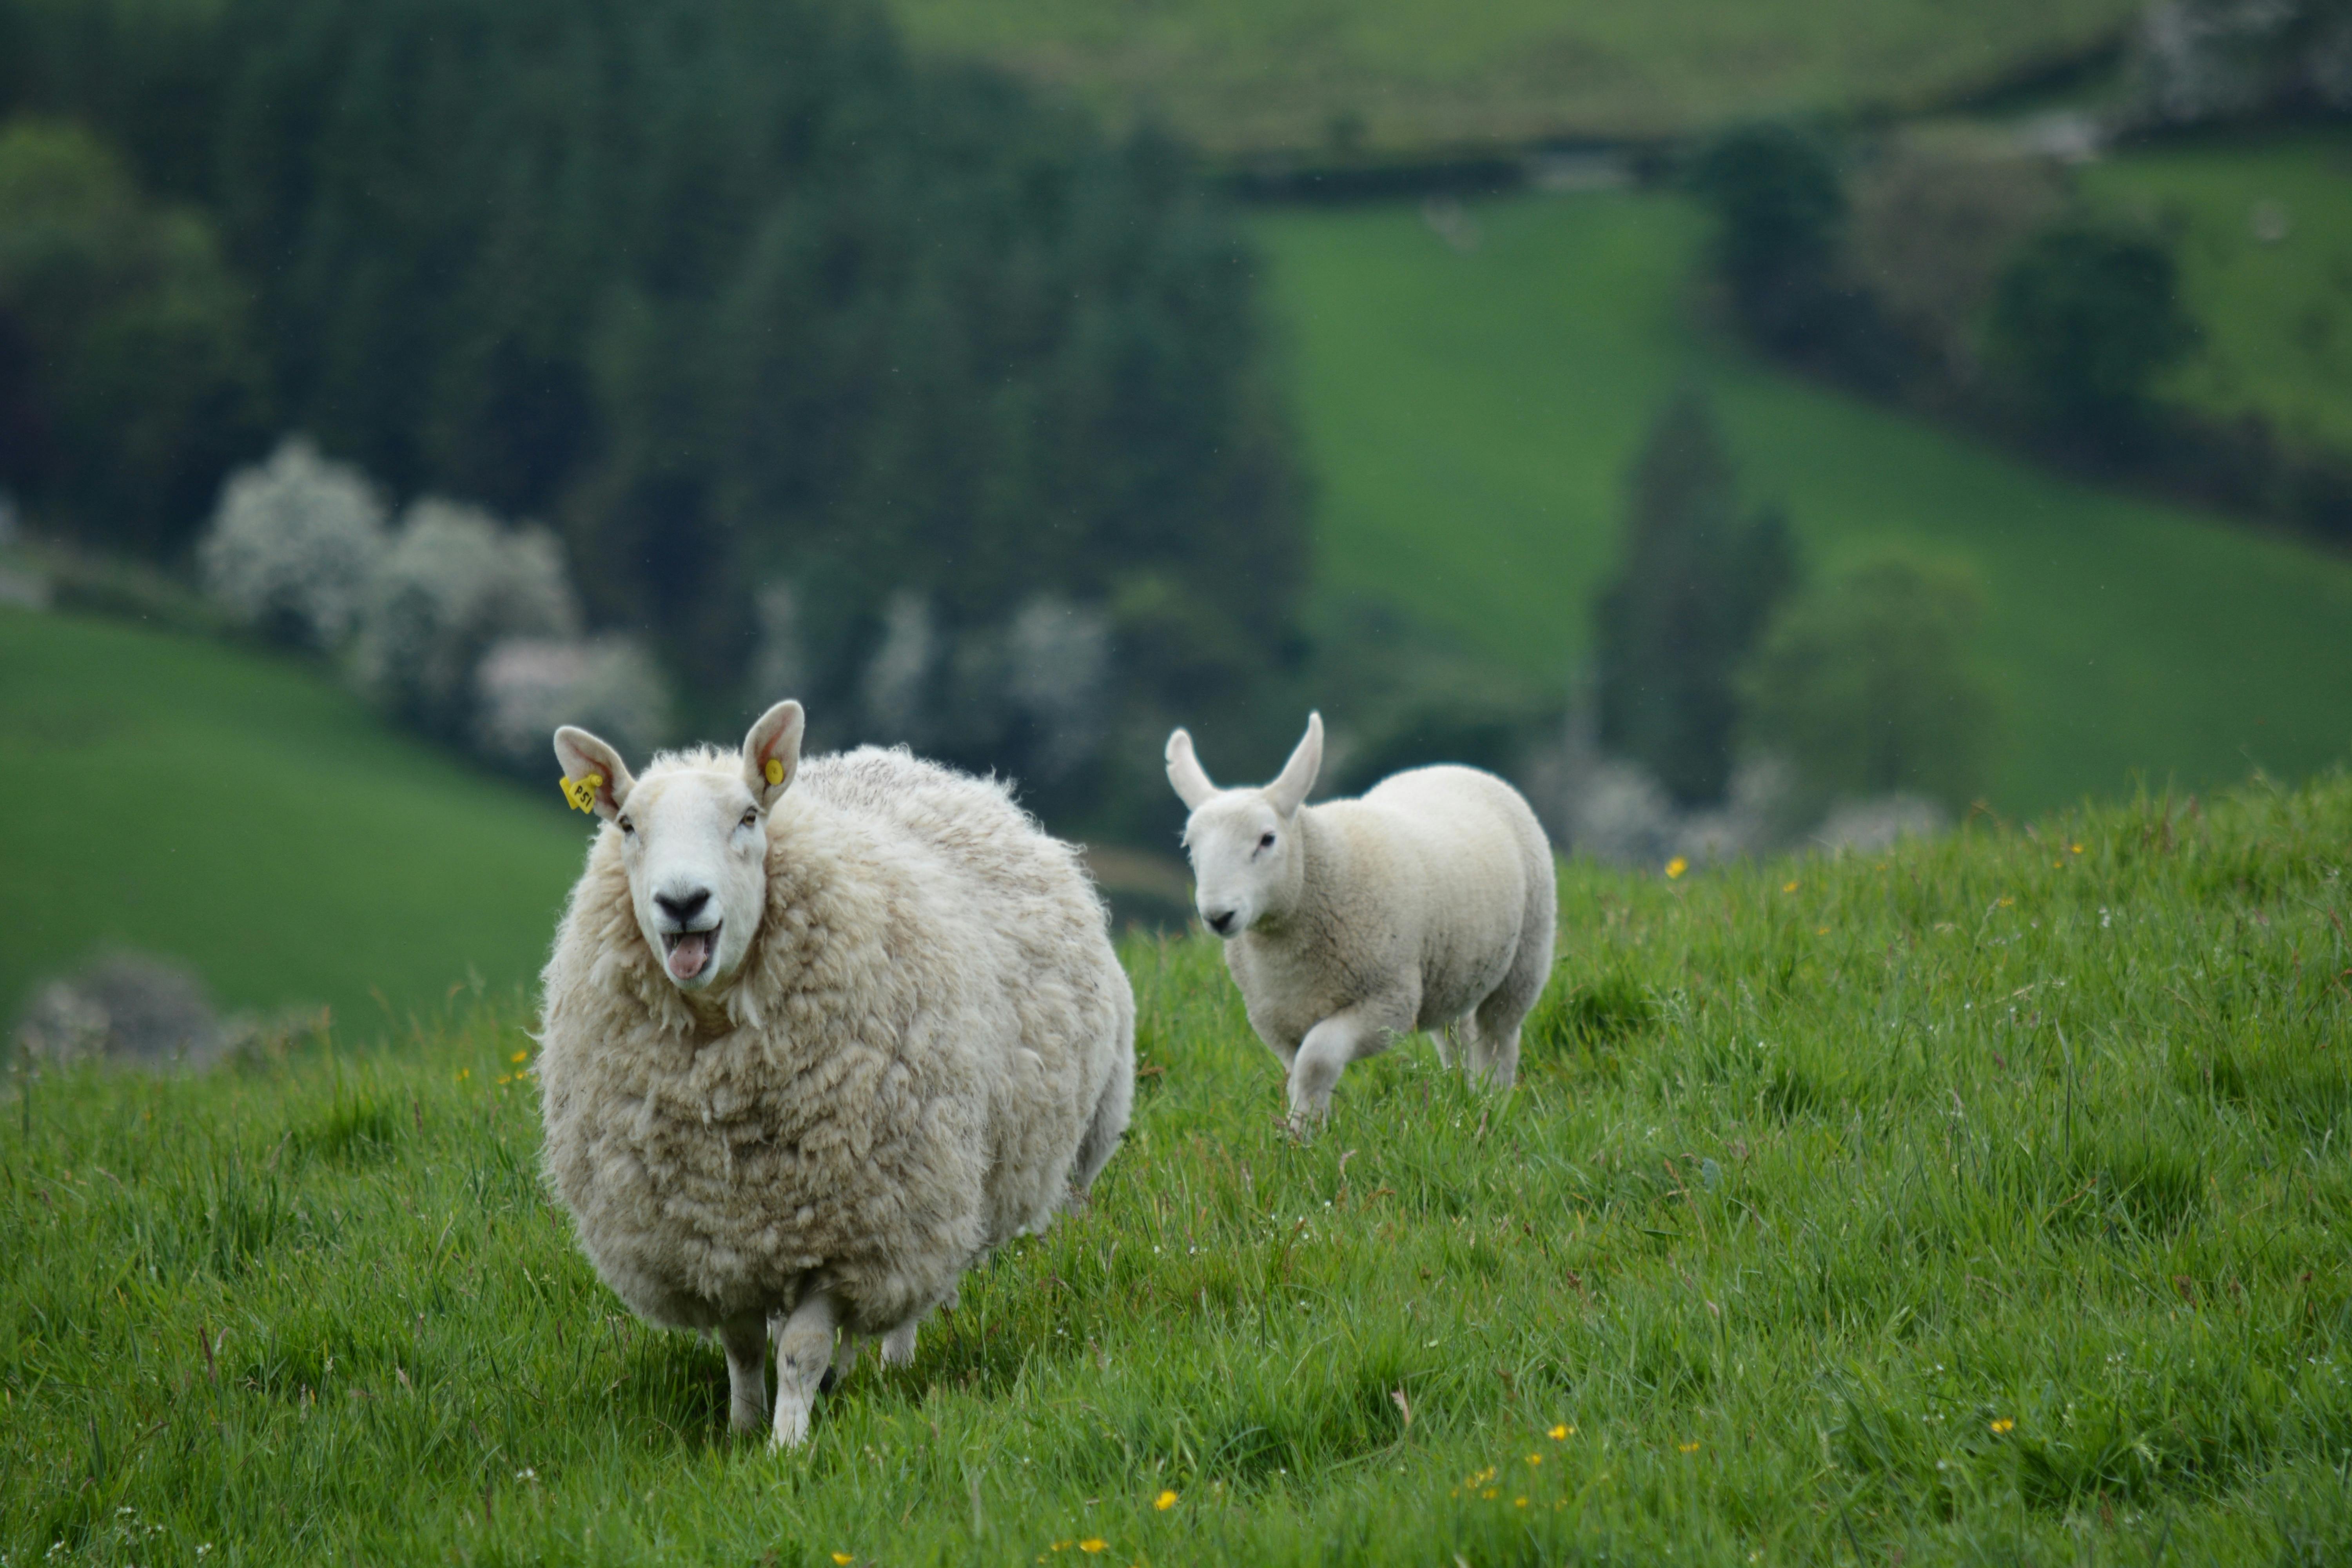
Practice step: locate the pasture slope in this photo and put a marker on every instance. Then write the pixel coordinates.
(241, 813)
(2262, 224)
(1405, 79)
(1471, 418)
(1985, 1202)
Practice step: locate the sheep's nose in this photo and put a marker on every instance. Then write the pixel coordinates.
(683, 906)
(1220, 923)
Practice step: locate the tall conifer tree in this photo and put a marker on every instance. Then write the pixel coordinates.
(1695, 584)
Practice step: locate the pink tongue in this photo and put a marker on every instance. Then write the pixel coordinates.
(692, 952)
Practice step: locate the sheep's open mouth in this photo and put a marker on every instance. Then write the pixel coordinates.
(688, 953)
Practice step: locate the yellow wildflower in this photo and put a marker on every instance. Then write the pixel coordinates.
(2003, 1424)
(1561, 1433)
(1821, 930)
(1690, 1447)
(1789, 887)
(520, 1057)
(844, 1558)
(1492, 1492)
(1535, 1458)
(1518, 1502)
(2074, 850)
(1093, 1543)
(1164, 1501)
(1677, 867)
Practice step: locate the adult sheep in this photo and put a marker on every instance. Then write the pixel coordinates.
(814, 1038)
(1427, 904)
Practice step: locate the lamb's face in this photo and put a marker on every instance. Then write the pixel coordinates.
(1244, 860)
(695, 845)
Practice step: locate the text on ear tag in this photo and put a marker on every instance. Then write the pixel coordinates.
(775, 771)
(582, 793)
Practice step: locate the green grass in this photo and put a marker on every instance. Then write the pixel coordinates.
(244, 815)
(1471, 419)
(1985, 1204)
(2277, 315)
(1390, 78)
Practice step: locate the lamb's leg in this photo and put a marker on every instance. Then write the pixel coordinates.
(1346, 1036)
(1493, 1062)
(898, 1345)
(1506, 1008)
(745, 1341)
(804, 1349)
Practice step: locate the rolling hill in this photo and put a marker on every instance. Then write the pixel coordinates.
(1403, 79)
(2262, 224)
(1471, 407)
(244, 815)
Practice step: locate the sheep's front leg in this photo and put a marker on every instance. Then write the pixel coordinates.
(804, 1346)
(745, 1341)
(1346, 1036)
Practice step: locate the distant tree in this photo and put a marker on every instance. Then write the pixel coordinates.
(1868, 685)
(2199, 61)
(1931, 232)
(1695, 586)
(455, 583)
(735, 293)
(293, 546)
(128, 376)
(1779, 204)
(2085, 319)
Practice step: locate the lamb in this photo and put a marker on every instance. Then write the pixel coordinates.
(1427, 904)
(815, 1037)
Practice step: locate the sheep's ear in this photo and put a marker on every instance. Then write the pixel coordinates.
(584, 757)
(1193, 785)
(1288, 793)
(772, 751)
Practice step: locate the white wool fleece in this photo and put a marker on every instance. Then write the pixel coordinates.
(1429, 903)
(928, 1045)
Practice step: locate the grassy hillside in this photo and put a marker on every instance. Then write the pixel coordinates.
(1385, 78)
(250, 817)
(1984, 1203)
(1471, 417)
(2276, 305)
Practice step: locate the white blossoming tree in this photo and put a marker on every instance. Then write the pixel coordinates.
(455, 584)
(293, 545)
(526, 687)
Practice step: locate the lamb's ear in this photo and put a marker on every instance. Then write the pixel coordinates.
(1193, 785)
(772, 751)
(586, 758)
(1288, 793)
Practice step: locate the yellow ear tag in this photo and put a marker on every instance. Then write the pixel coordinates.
(775, 771)
(582, 793)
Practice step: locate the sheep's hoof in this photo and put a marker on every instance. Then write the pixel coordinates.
(791, 1428)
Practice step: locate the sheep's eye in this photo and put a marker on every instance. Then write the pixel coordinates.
(751, 818)
(629, 828)
(1267, 842)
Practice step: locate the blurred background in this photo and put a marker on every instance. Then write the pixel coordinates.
(1748, 428)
